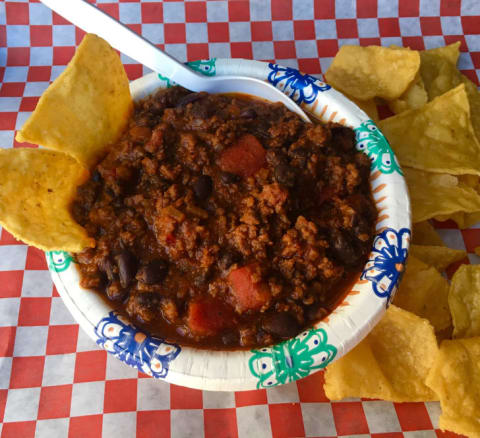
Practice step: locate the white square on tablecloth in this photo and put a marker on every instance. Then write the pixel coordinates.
(410, 26)
(85, 342)
(35, 89)
(219, 50)
(218, 399)
(253, 421)
(387, 8)
(18, 35)
(116, 369)
(325, 63)
(465, 62)
(470, 7)
(6, 139)
(259, 10)
(473, 42)
(348, 42)
(10, 104)
(184, 421)
(451, 26)
(15, 74)
(306, 49)
(58, 369)
(368, 28)
(57, 427)
(345, 9)
(121, 424)
(473, 259)
(38, 14)
(420, 434)
(217, 11)
(432, 42)
(22, 117)
(37, 284)
(434, 410)
(452, 238)
(59, 314)
(130, 13)
(22, 404)
(178, 51)
(63, 35)
(30, 341)
(87, 398)
(240, 31)
(288, 62)
(302, 9)
(381, 417)
(429, 8)
(388, 41)
(173, 12)
(9, 311)
(153, 32)
(196, 32)
(318, 419)
(262, 50)
(127, 60)
(41, 56)
(283, 394)
(152, 395)
(282, 30)
(5, 372)
(3, 15)
(325, 29)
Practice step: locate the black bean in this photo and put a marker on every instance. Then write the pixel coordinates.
(107, 266)
(284, 175)
(202, 187)
(229, 178)
(127, 267)
(96, 177)
(147, 299)
(190, 98)
(344, 248)
(115, 292)
(249, 113)
(230, 338)
(315, 312)
(282, 324)
(343, 138)
(154, 272)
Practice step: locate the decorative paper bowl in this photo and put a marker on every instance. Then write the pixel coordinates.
(311, 350)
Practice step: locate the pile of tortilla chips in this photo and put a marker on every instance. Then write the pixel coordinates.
(77, 118)
(427, 346)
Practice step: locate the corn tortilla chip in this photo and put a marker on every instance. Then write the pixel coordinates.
(464, 301)
(440, 257)
(414, 97)
(86, 108)
(423, 233)
(438, 137)
(477, 250)
(368, 106)
(373, 71)
(36, 189)
(455, 377)
(424, 292)
(435, 194)
(391, 363)
(463, 220)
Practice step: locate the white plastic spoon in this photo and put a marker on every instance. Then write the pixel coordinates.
(93, 20)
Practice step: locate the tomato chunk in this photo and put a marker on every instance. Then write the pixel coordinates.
(207, 316)
(244, 158)
(249, 293)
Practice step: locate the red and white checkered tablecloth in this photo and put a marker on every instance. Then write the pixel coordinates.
(54, 381)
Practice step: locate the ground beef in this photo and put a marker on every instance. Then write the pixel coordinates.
(225, 222)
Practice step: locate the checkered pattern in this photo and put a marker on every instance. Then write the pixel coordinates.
(54, 382)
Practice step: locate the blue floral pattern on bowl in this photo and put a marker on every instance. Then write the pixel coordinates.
(301, 88)
(146, 353)
(386, 262)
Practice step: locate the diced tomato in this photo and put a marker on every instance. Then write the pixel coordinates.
(249, 294)
(207, 316)
(244, 158)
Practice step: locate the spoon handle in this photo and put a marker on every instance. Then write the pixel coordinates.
(93, 20)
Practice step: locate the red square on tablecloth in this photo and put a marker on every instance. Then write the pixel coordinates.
(261, 31)
(153, 424)
(89, 426)
(387, 435)
(281, 9)
(218, 32)
(28, 104)
(408, 9)
(347, 28)
(12, 89)
(5, 237)
(304, 29)
(7, 121)
(34, 311)
(7, 340)
(450, 39)
(11, 284)
(284, 49)
(27, 372)
(55, 402)
(152, 12)
(220, 423)
(175, 33)
(327, 48)
(90, 366)
(79, 34)
(197, 51)
(430, 26)
(134, 71)
(111, 9)
(450, 8)
(388, 27)
(3, 36)
(36, 259)
(3, 402)
(413, 416)
(58, 19)
(323, 9)
(367, 8)
(470, 25)
(471, 238)
(39, 73)
(18, 56)
(370, 42)
(241, 50)
(238, 10)
(62, 55)
(414, 42)
(40, 36)
(20, 429)
(250, 398)
(310, 389)
(120, 395)
(309, 65)
(62, 339)
(349, 418)
(16, 13)
(286, 420)
(185, 398)
(196, 12)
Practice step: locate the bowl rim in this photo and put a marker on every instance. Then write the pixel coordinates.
(314, 348)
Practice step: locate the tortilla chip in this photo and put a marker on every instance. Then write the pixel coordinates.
(463, 220)
(86, 108)
(455, 377)
(440, 257)
(368, 106)
(373, 71)
(464, 301)
(423, 233)
(415, 97)
(424, 292)
(477, 250)
(435, 194)
(391, 363)
(36, 189)
(438, 137)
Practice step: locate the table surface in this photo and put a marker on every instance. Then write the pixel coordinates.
(54, 381)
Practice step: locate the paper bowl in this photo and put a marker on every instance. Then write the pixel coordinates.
(316, 347)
